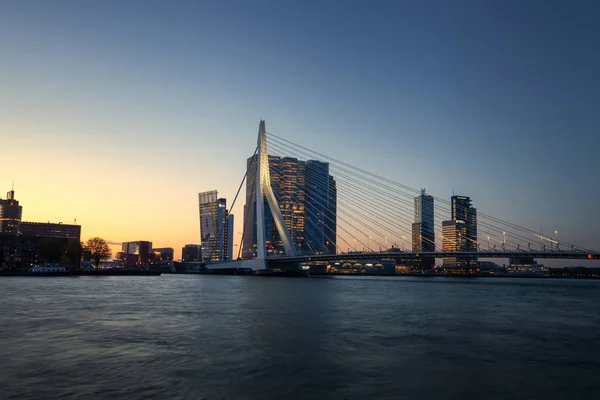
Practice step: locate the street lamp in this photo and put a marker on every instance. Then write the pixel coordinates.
(369, 246)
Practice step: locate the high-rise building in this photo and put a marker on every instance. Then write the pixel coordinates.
(191, 252)
(249, 228)
(307, 198)
(423, 228)
(331, 218)
(316, 205)
(228, 240)
(292, 198)
(213, 226)
(10, 215)
(460, 233)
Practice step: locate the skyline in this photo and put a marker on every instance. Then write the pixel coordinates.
(121, 128)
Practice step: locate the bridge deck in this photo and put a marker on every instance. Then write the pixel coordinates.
(439, 254)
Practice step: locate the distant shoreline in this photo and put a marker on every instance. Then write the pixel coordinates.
(80, 273)
(159, 273)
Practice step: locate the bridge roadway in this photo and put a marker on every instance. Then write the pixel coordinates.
(574, 255)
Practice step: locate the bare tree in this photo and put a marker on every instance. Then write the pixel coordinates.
(99, 249)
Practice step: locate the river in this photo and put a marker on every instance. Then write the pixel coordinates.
(221, 337)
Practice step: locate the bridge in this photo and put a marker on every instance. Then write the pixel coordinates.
(304, 206)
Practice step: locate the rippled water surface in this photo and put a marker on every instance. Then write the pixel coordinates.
(213, 337)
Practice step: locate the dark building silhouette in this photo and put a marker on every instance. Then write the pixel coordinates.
(191, 252)
(10, 215)
(163, 254)
(50, 230)
(23, 244)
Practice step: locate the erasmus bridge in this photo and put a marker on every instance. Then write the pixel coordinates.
(373, 218)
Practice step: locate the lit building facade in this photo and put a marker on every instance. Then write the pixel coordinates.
(423, 229)
(307, 197)
(423, 232)
(460, 233)
(50, 230)
(213, 226)
(292, 198)
(23, 244)
(272, 240)
(10, 215)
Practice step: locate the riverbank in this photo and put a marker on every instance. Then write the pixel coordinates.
(100, 272)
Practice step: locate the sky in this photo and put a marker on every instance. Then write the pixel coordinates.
(117, 113)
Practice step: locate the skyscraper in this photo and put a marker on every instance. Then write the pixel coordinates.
(423, 231)
(228, 256)
(249, 228)
(307, 197)
(331, 217)
(316, 205)
(460, 233)
(249, 225)
(10, 215)
(292, 198)
(213, 221)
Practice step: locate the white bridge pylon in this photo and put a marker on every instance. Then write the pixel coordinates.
(263, 191)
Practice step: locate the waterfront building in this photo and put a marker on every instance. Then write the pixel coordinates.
(51, 230)
(525, 265)
(423, 229)
(307, 197)
(136, 253)
(228, 240)
(460, 233)
(10, 215)
(191, 252)
(249, 224)
(316, 205)
(213, 226)
(292, 198)
(331, 218)
(163, 254)
(462, 210)
(25, 243)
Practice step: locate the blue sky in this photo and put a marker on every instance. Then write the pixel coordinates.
(497, 99)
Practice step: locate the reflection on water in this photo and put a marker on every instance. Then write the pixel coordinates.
(210, 337)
